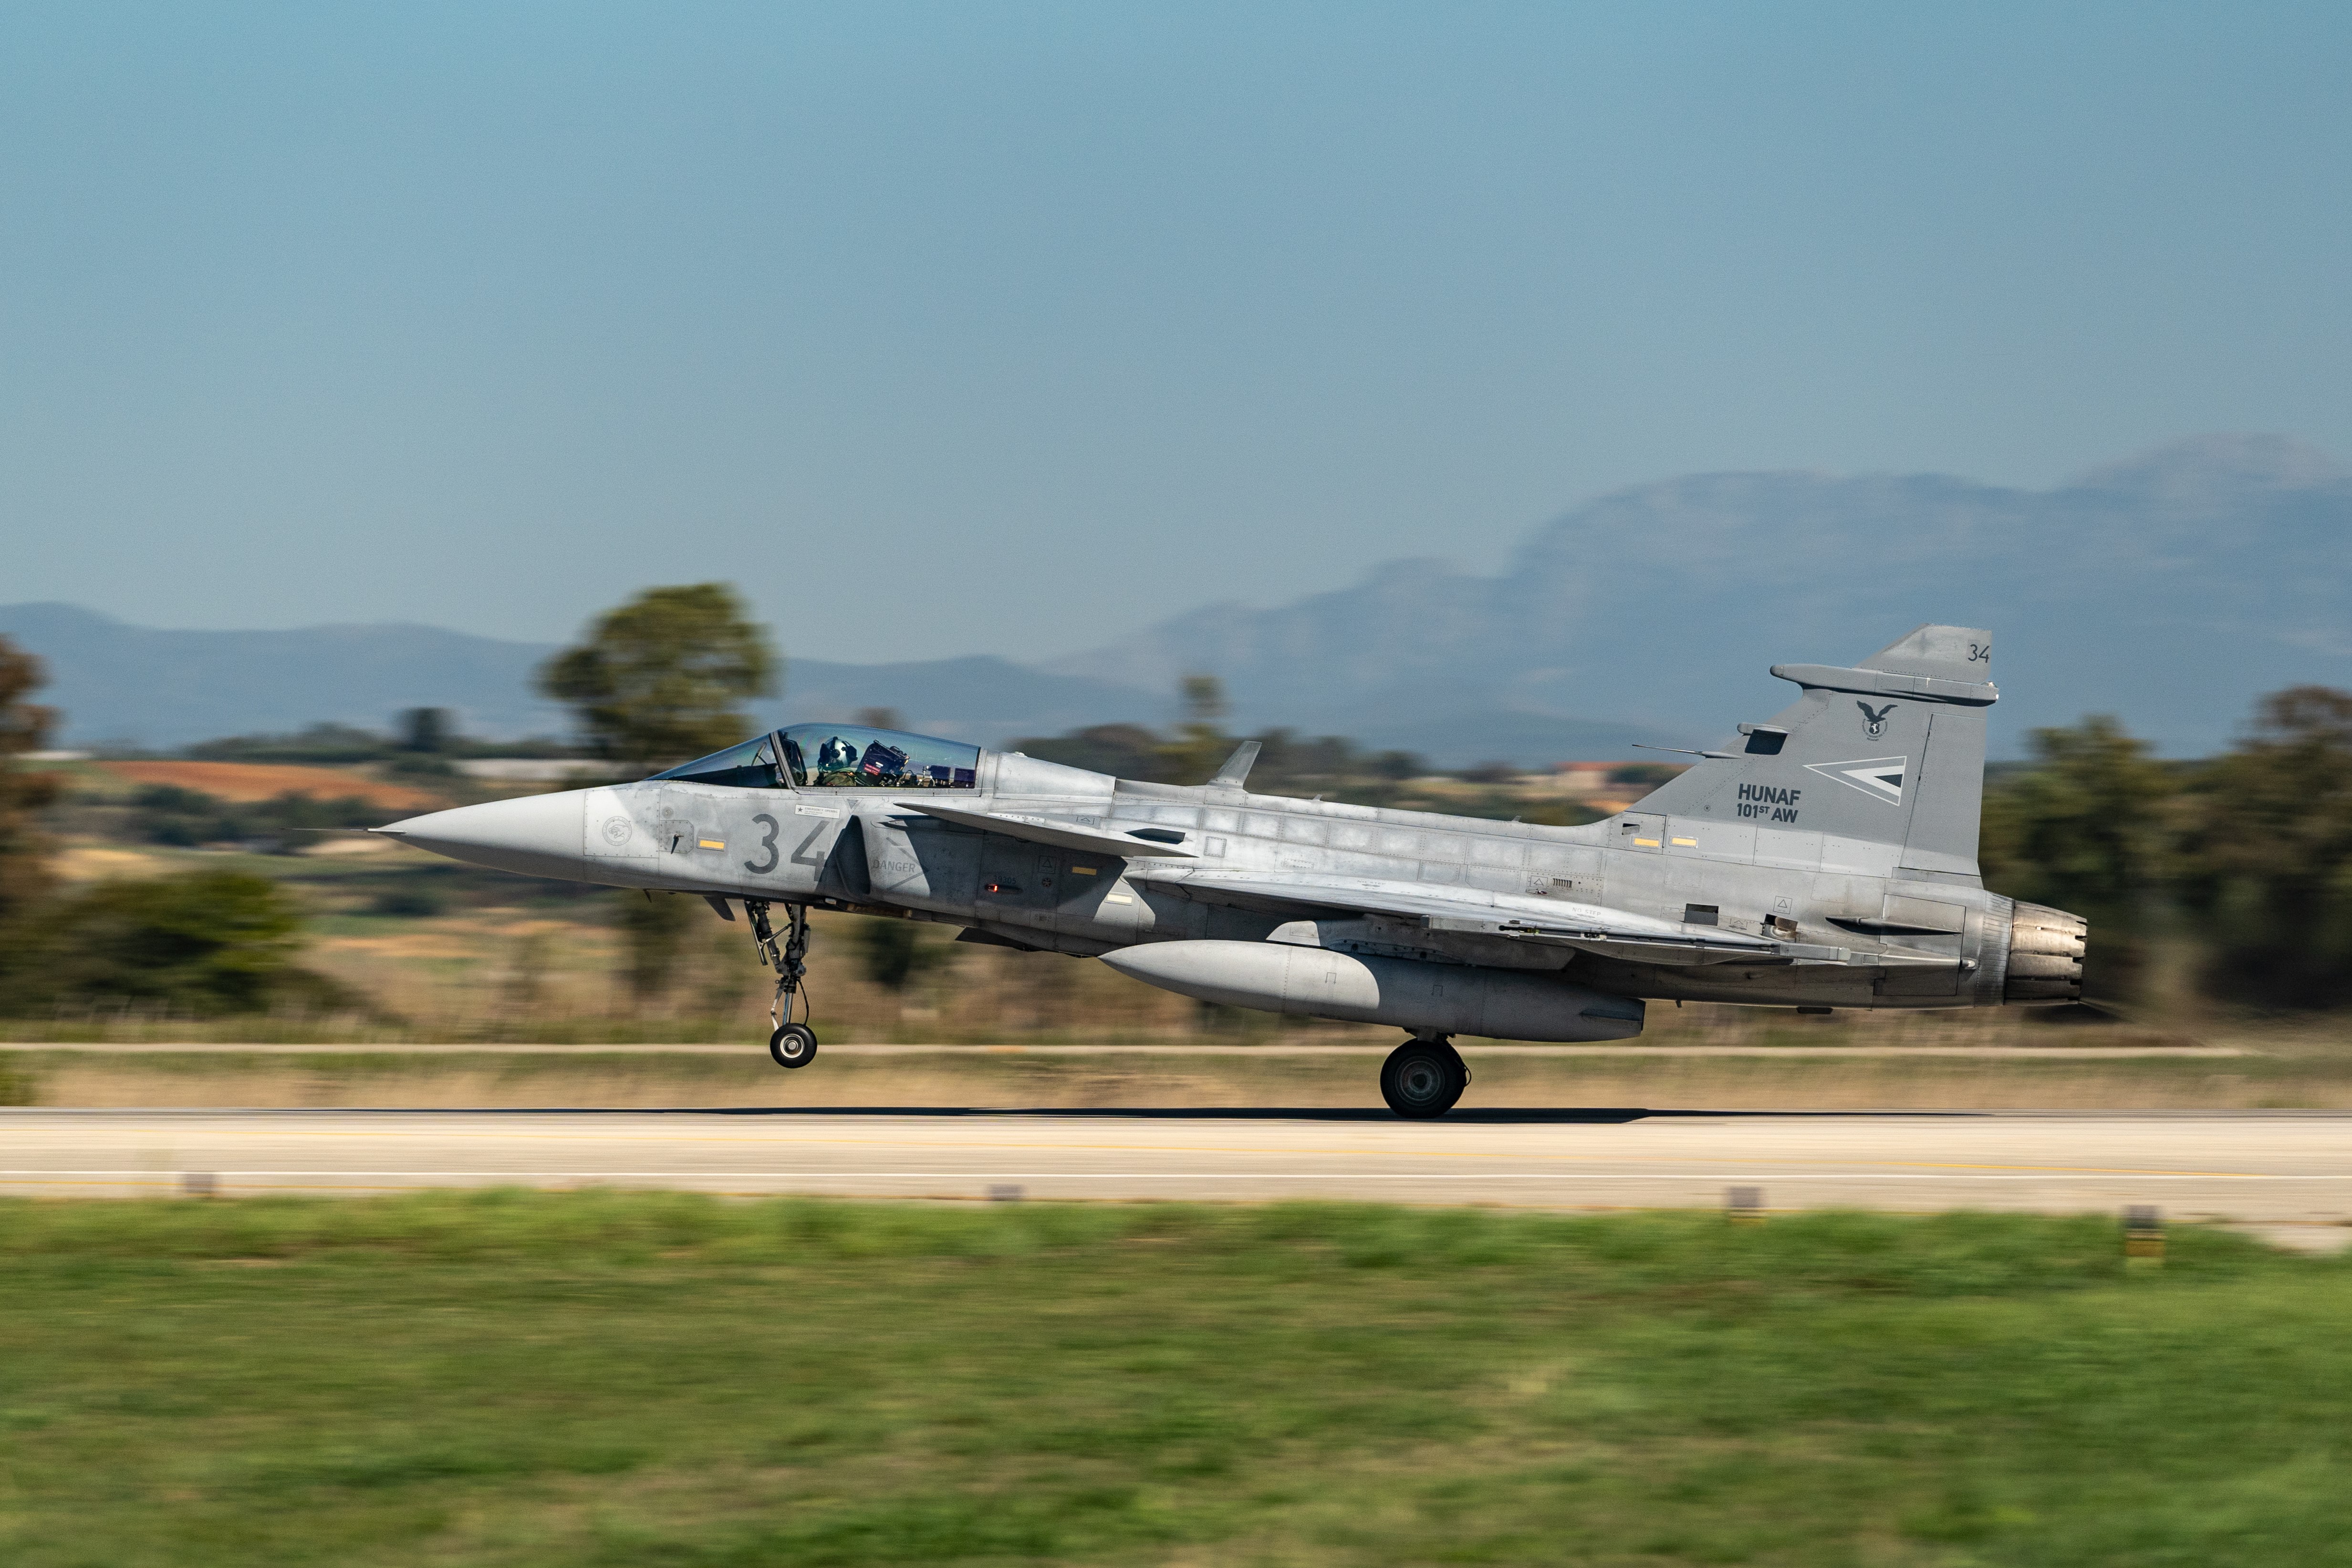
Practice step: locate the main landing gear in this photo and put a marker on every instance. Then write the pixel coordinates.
(1423, 1077)
(794, 1044)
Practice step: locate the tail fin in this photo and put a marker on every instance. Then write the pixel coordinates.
(1892, 751)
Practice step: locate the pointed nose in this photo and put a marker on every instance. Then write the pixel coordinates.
(537, 835)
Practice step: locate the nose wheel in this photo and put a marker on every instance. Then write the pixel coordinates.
(1423, 1078)
(792, 1043)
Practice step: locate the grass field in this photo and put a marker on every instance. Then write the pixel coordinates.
(594, 1378)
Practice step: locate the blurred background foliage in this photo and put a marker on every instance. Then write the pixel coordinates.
(25, 726)
(1330, 767)
(2223, 881)
(202, 943)
(2229, 878)
(171, 814)
(663, 678)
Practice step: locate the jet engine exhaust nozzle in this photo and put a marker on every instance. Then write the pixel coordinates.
(2045, 955)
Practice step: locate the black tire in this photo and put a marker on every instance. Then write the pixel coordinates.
(1421, 1078)
(794, 1045)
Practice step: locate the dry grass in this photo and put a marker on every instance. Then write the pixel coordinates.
(2294, 1071)
(91, 863)
(555, 973)
(517, 974)
(521, 974)
(249, 781)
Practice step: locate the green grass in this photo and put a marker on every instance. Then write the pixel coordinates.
(662, 1380)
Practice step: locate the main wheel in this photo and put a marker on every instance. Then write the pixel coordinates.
(1423, 1078)
(794, 1045)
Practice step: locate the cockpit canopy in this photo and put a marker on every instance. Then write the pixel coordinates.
(751, 765)
(821, 754)
(834, 755)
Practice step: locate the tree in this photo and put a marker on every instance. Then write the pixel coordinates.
(426, 729)
(895, 952)
(2087, 831)
(206, 941)
(24, 726)
(1201, 744)
(655, 931)
(2268, 855)
(660, 678)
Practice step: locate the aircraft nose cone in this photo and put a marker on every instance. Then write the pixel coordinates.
(535, 834)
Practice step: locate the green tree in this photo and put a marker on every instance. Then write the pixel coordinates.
(895, 952)
(662, 679)
(653, 927)
(204, 942)
(426, 729)
(24, 726)
(2268, 855)
(2088, 830)
(1201, 745)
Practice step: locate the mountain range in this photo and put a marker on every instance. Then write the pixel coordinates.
(2171, 589)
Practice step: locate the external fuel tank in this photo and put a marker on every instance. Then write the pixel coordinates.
(1438, 999)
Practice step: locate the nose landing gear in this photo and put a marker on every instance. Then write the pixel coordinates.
(794, 1044)
(1423, 1077)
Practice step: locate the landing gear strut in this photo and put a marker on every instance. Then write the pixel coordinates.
(794, 1044)
(1423, 1077)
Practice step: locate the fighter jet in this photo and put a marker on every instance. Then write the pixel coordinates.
(1823, 859)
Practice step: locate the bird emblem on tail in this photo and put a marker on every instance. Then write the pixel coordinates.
(1876, 717)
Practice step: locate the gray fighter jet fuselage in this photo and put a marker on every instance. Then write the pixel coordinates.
(1824, 859)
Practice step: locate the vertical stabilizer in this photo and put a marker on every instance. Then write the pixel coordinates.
(1890, 751)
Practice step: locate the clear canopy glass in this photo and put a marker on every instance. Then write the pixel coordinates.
(752, 765)
(822, 756)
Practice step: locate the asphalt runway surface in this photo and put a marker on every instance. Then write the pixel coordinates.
(2286, 1174)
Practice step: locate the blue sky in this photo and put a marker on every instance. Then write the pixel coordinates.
(967, 328)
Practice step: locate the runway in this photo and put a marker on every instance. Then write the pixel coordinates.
(2277, 1171)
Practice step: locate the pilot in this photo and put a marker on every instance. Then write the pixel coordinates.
(833, 754)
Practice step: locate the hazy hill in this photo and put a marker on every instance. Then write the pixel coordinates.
(2171, 589)
(122, 683)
